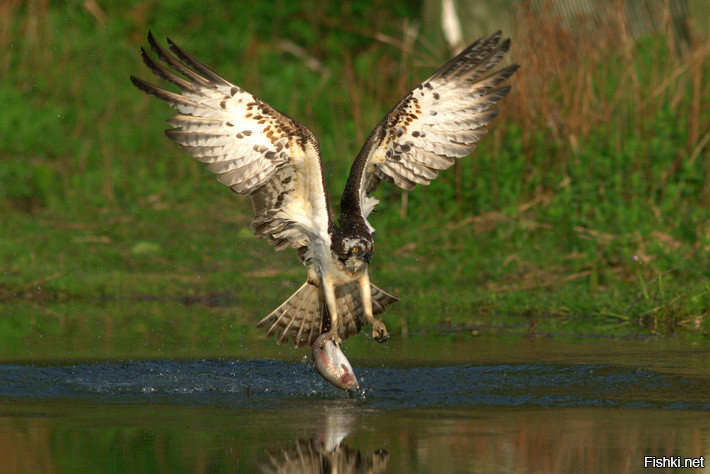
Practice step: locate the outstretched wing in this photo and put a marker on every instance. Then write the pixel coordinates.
(252, 147)
(441, 119)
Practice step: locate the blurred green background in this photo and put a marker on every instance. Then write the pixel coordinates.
(586, 209)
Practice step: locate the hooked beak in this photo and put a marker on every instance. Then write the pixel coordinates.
(366, 256)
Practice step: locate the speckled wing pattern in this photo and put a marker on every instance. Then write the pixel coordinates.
(438, 121)
(251, 147)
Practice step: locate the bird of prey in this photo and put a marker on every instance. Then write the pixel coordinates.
(257, 150)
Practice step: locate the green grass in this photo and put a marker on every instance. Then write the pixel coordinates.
(594, 222)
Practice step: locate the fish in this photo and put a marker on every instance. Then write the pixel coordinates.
(332, 364)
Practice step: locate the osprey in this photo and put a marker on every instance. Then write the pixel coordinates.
(257, 150)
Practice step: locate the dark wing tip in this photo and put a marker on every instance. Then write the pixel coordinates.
(176, 49)
(506, 72)
(172, 133)
(505, 45)
(154, 44)
(503, 91)
(146, 58)
(212, 76)
(141, 84)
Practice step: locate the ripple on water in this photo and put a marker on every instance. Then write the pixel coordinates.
(260, 383)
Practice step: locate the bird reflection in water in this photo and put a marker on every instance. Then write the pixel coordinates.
(325, 452)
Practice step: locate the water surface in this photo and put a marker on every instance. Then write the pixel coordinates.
(475, 405)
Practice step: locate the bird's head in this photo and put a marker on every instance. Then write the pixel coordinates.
(353, 251)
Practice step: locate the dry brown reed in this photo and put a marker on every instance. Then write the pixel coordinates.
(578, 76)
(584, 74)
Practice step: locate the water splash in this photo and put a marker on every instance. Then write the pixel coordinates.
(268, 383)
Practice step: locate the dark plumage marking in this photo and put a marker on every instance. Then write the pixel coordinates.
(408, 160)
(242, 171)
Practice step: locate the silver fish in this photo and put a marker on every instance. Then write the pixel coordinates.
(332, 364)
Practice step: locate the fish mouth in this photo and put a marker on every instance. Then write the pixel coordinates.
(349, 382)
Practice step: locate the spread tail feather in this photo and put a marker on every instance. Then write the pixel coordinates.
(304, 315)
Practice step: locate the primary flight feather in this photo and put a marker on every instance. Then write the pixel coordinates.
(257, 150)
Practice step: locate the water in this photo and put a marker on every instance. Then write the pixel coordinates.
(482, 405)
(259, 384)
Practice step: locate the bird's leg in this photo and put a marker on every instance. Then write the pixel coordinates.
(329, 292)
(379, 331)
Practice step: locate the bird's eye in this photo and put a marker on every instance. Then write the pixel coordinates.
(355, 250)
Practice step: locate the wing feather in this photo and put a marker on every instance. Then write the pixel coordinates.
(441, 119)
(251, 147)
